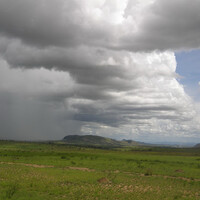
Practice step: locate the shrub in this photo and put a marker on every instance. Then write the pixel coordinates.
(11, 190)
(148, 172)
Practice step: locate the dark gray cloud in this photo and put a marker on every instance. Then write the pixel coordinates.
(38, 23)
(32, 104)
(131, 25)
(167, 24)
(49, 22)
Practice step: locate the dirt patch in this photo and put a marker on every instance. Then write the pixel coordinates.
(48, 166)
(38, 166)
(179, 170)
(103, 180)
(28, 165)
(81, 169)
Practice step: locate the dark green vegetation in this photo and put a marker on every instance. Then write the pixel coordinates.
(98, 141)
(41, 171)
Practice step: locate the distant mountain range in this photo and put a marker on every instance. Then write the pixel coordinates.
(97, 141)
(197, 145)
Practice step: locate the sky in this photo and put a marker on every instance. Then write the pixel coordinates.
(188, 66)
(121, 69)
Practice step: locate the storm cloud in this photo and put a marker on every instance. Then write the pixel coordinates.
(103, 67)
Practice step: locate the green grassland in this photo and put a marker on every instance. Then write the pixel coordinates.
(48, 171)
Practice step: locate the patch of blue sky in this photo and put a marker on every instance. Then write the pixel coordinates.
(188, 67)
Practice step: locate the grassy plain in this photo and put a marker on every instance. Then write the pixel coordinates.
(48, 171)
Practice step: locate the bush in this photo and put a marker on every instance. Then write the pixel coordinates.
(11, 190)
(148, 172)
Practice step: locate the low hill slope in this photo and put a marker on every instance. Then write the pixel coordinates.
(197, 145)
(96, 140)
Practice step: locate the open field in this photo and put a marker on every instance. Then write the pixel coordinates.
(43, 171)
